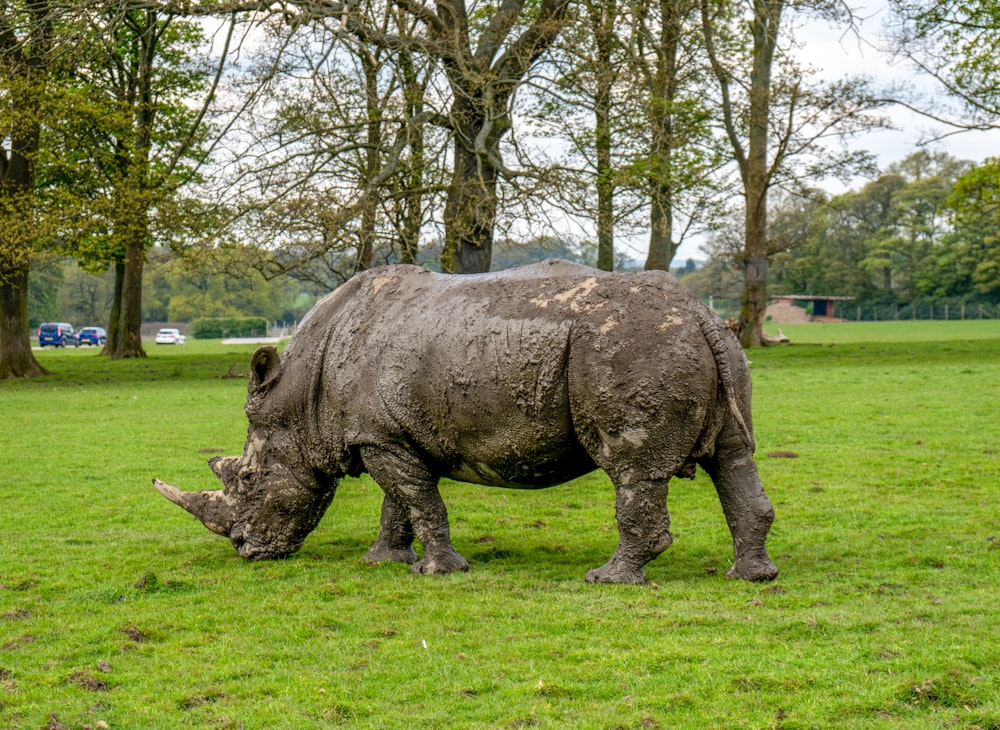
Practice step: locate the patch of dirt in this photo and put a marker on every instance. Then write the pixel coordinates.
(211, 451)
(87, 681)
(782, 455)
(198, 700)
(135, 634)
(22, 584)
(54, 723)
(18, 614)
(20, 641)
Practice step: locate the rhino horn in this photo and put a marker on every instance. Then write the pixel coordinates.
(214, 508)
(222, 465)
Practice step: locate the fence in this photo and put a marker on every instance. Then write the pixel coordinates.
(917, 310)
(868, 312)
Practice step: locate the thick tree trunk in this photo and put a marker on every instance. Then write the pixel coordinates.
(756, 174)
(17, 182)
(130, 322)
(114, 321)
(751, 322)
(661, 230)
(16, 357)
(753, 158)
(470, 211)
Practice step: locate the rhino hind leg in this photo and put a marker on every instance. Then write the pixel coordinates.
(395, 536)
(748, 511)
(643, 528)
(413, 491)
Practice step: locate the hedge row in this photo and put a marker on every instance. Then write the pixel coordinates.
(216, 328)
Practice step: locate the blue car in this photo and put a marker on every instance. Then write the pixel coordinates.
(93, 336)
(57, 334)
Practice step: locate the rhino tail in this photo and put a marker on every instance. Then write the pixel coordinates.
(716, 333)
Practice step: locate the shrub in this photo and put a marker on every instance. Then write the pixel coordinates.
(215, 328)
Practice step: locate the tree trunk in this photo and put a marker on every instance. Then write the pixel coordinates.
(479, 116)
(602, 19)
(661, 208)
(661, 230)
(751, 322)
(373, 140)
(16, 357)
(130, 322)
(114, 321)
(132, 194)
(25, 61)
(470, 210)
(756, 176)
(752, 159)
(413, 218)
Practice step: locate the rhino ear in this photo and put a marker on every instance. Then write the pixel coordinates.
(265, 369)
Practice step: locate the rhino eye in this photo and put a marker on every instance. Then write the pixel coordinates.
(246, 477)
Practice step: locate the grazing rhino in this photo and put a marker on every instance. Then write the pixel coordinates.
(524, 378)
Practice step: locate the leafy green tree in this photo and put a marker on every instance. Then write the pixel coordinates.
(623, 94)
(178, 291)
(903, 250)
(974, 255)
(27, 51)
(839, 231)
(143, 71)
(680, 164)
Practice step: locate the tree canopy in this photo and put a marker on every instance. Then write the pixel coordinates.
(309, 140)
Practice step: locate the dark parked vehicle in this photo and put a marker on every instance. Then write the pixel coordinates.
(93, 336)
(57, 334)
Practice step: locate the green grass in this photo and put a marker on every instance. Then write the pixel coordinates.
(118, 610)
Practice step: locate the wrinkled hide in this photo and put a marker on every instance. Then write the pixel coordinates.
(524, 379)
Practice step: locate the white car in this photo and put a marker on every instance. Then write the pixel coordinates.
(168, 336)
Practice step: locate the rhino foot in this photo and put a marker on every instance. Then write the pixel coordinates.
(441, 562)
(753, 569)
(616, 573)
(384, 554)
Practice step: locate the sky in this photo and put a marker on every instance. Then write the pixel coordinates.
(838, 55)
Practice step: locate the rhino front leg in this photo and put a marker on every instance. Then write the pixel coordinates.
(748, 512)
(412, 489)
(395, 536)
(643, 529)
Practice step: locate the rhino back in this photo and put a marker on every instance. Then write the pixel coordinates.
(474, 371)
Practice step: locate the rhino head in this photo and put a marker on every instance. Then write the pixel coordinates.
(271, 498)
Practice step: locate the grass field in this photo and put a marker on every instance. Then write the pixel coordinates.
(118, 610)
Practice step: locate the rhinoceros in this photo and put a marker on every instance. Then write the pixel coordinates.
(525, 378)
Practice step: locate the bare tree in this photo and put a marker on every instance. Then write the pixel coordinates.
(680, 169)
(774, 118)
(957, 44)
(330, 158)
(484, 53)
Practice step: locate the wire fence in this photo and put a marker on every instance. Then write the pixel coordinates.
(870, 312)
(917, 310)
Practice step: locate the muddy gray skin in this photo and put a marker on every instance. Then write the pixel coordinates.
(525, 378)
